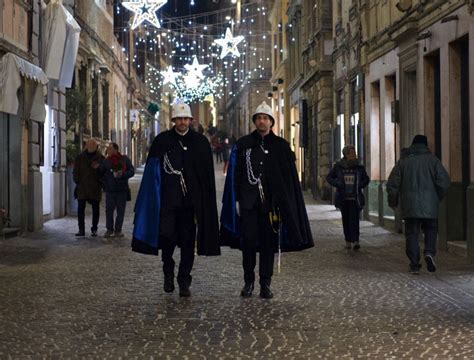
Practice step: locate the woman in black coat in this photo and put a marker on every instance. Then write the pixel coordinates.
(349, 177)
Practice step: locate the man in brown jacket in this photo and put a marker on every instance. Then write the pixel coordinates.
(88, 186)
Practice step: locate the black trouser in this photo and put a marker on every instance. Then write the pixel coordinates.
(115, 201)
(257, 234)
(218, 156)
(350, 212)
(81, 212)
(177, 228)
(412, 231)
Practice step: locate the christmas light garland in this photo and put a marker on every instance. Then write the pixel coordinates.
(193, 85)
(188, 41)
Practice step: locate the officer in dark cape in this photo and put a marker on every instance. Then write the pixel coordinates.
(263, 208)
(176, 203)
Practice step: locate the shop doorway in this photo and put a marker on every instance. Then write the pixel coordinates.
(10, 168)
(459, 134)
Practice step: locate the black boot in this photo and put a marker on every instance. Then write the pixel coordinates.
(168, 285)
(265, 292)
(247, 289)
(81, 233)
(184, 290)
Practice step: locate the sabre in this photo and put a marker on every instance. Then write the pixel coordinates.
(183, 185)
(279, 245)
(260, 189)
(276, 216)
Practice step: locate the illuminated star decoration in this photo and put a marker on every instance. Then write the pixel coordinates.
(144, 10)
(169, 76)
(194, 75)
(229, 44)
(195, 69)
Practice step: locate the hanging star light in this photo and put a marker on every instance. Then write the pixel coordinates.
(169, 76)
(229, 44)
(195, 69)
(145, 10)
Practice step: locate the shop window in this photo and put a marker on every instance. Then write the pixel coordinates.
(354, 128)
(105, 110)
(340, 125)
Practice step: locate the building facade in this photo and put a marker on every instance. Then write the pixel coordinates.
(102, 72)
(315, 115)
(278, 96)
(294, 77)
(249, 75)
(58, 54)
(373, 74)
(417, 58)
(348, 79)
(29, 71)
(60, 34)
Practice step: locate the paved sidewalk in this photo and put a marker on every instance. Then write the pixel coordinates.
(68, 298)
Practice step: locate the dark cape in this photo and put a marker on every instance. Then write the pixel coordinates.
(282, 178)
(200, 183)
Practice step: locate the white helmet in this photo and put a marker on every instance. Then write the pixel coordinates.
(263, 108)
(181, 110)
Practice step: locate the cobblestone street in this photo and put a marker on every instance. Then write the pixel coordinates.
(68, 297)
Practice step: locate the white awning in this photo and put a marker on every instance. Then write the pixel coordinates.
(61, 35)
(11, 68)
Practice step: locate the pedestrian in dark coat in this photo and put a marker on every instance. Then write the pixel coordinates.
(116, 169)
(349, 177)
(418, 182)
(263, 208)
(88, 185)
(177, 194)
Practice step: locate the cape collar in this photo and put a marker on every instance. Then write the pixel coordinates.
(255, 134)
(186, 137)
(254, 139)
(182, 135)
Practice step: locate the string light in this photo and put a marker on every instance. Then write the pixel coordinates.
(186, 35)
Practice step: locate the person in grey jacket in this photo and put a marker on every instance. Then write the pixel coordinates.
(116, 169)
(419, 181)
